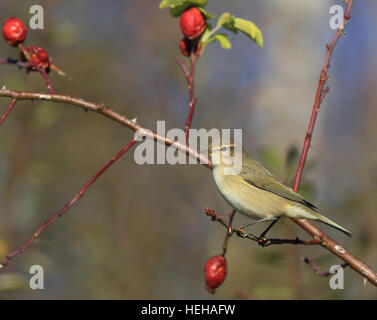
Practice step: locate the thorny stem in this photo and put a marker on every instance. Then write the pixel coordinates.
(190, 81)
(320, 95)
(325, 240)
(109, 113)
(8, 110)
(67, 205)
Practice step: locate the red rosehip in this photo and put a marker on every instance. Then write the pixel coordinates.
(14, 31)
(215, 272)
(38, 57)
(193, 23)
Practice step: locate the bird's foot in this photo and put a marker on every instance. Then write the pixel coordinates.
(264, 242)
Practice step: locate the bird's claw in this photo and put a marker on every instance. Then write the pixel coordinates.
(264, 242)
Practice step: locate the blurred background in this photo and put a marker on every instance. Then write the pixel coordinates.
(140, 231)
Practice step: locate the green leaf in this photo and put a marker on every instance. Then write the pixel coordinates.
(250, 29)
(234, 24)
(206, 14)
(167, 3)
(206, 34)
(178, 6)
(220, 37)
(225, 18)
(223, 39)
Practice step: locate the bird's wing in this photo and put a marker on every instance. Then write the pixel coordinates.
(259, 177)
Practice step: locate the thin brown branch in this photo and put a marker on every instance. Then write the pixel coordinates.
(20, 64)
(8, 110)
(45, 76)
(229, 232)
(320, 94)
(325, 240)
(109, 113)
(183, 68)
(190, 81)
(68, 204)
(317, 269)
(193, 100)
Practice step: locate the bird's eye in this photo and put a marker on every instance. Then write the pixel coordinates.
(223, 149)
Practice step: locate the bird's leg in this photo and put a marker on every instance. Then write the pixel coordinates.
(261, 220)
(262, 235)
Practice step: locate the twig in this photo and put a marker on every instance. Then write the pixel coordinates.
(229, 232)
(262, 241)
(20, 64)
(47, 79)
(318, 271)
(190, 81)
(109, 113)
(320, 94)
(8, 110)
(183, 68)
(67, 205)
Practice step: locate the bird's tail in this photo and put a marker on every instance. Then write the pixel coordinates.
(301, 212)
(331, 223)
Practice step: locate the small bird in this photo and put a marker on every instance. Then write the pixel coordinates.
(255, 192)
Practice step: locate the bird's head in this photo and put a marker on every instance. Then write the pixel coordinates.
(225, 153)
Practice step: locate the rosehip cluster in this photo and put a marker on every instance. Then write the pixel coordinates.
(193, 24)
(14, 32)
(215, 272)
(37, 57)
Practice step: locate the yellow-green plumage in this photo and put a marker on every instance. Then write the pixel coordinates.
(258, 194)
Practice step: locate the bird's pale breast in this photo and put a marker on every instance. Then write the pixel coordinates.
(247, 199)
